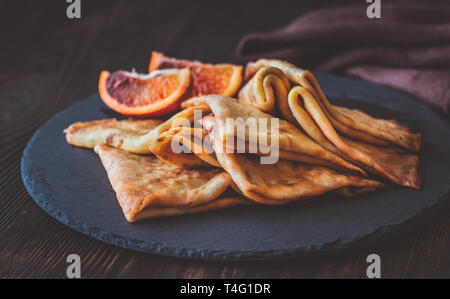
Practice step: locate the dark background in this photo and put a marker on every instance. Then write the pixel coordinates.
(49, 61)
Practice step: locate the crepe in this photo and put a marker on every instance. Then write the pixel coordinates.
(350, 122)
(284, 181)
(195, 140)
(146, 187)
(180, 133)
(285, 138)
(305, 110)
(163, 147)
(268, 90)
(394, 164)
(126, 134)
(138, 136)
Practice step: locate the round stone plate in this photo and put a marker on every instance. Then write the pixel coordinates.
(71, 185)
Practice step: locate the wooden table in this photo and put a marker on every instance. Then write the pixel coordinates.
(49, 61)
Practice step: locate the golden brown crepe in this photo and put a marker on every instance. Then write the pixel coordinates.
(392, 163)
(196, 141)
(138, 136)
(180, 131)
(305, 109)
(293, 144)
(286, 180)
(268, 90)
(351, 122)
(163, 148)
(146, 187)
(127, 134)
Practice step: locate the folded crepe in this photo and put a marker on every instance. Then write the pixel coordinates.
(129, 134)
(284, 181)
(268, 90)
(350, 122)
(305, 109)
(191, 141)
(179, 141)
(288, 140)
(138, 136)
(147, 187)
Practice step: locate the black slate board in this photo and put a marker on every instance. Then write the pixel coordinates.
(71, 185)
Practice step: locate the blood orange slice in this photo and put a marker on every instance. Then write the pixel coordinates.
(139, 95)
(223, 79)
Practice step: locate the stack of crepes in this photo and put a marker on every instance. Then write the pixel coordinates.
(321, 148)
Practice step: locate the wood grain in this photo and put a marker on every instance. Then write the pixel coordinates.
(49, 62)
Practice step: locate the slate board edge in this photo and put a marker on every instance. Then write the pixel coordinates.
(382, 234)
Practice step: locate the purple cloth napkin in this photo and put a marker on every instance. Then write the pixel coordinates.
(408, 48)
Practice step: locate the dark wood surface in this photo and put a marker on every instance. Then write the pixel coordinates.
(49, 61)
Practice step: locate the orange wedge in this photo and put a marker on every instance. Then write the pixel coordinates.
(140, 95)
(223, 79)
